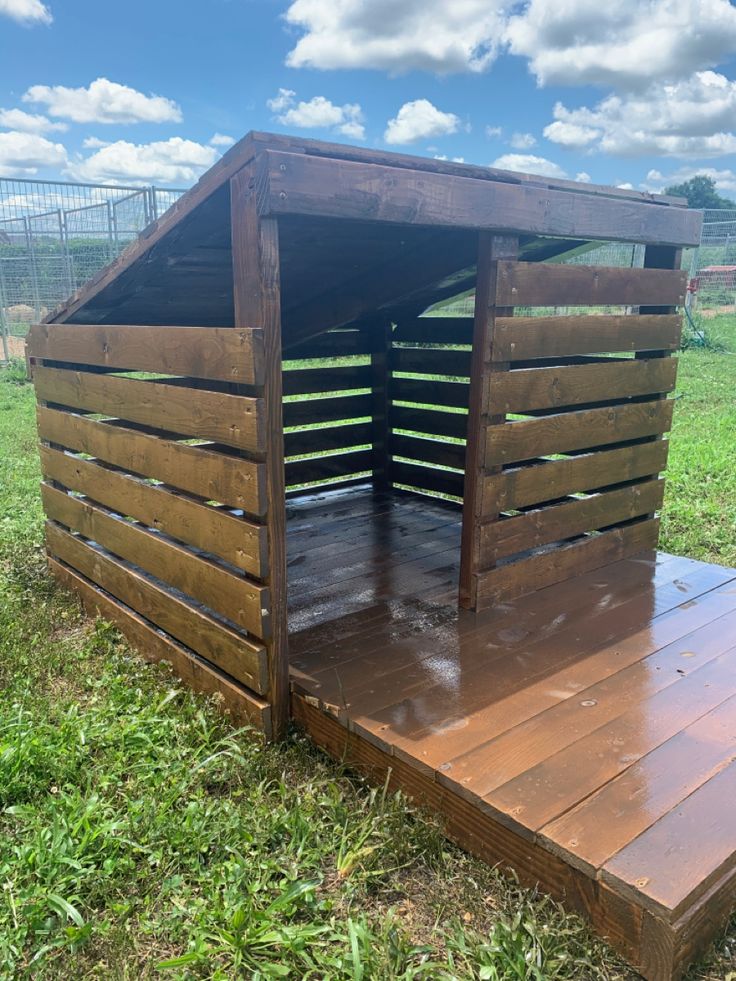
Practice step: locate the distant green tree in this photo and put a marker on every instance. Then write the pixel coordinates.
(700, 192)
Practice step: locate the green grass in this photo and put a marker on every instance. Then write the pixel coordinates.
(140, 836)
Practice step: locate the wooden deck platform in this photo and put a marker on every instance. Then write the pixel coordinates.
(584, 735)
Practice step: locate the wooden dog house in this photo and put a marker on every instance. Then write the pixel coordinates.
(429, 539)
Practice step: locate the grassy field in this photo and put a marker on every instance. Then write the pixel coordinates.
(141, 837)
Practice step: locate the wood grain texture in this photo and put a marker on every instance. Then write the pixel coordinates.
(529, 389)
(231, 480)
(301, 184)
(523, 338)
(552, 479)
(242, 706)
(546, 568)
(237, 656)
(567, 432)
(245, 603)
(230, 419)
(533, 284)
(546, 525)
(201, 352)
(257, 298)
(213, 530)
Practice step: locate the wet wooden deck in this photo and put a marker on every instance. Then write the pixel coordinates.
(583, 735)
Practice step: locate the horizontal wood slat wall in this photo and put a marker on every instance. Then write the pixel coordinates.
(327, 385)
(428, 416)
(155, 493)
(572, 443)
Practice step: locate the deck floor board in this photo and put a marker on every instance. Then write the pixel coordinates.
(593, 721)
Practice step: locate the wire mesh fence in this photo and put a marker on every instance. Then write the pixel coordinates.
(54, 236)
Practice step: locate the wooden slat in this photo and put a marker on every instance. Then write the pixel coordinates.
(604, 823)
(431, 361)
(308, 412)
(327, 438)
(243, 602)
(698, 838)
(565, 432)
(543, 526)
(546, 568)
(237, 541)
(430, 421)
(331, 344)
(435, 330)
(455, 395)
(308, 381)
(554, 479)
(294, 183)
(213, 476)
(202, 352)
(242, 706)
(523, 338)
(428, 450)
(230, 419)
(528, 389)
(542, 284)
(216, 642)
(322, 468)
(428, 478)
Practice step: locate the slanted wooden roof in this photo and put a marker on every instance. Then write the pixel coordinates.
(360, 229)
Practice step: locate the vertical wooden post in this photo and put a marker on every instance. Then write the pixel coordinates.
(257, 301)
(491, 248)
(380, 334)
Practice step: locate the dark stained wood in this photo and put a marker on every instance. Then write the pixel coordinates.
(380, 330)
(492, 250)
(331, 378)
(332, 344)
(553, 479)
(239, 657)
(522, 338)
(431, 361)
(300, 184)
(453, 394)
(429, 421)
(567, 432)
(242, 706)
(214, 530)
(604, 823)
(530, 284)
(435, 330)
(308, 412)
(202, 352)
(547, 567)
(245, 603)
(212, 476)
(322, 468)
(526, 389)
(257, 299)
(427, 478)
(230, 419)
(543, 526)
(303, 441)
(428, 450)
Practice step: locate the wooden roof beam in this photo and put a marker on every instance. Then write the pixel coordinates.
(319, 186)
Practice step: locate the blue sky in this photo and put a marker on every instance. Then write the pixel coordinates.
(634, 92)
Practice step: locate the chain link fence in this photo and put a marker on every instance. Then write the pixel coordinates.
(54, 236)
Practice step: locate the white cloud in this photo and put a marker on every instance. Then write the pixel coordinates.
(22, 154)
(527, 163)
(428, 35)
(104, 101)
(583, 177)
(692, 118)
(420, 120)
(26, 11)
(522, 141)
(455, 160)
(318, 113)
(94, 143)
(28, 122)
(173, 161)
(725, 179)
(220, 139)
(493, 131)
(623, 43)
(626, 186)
